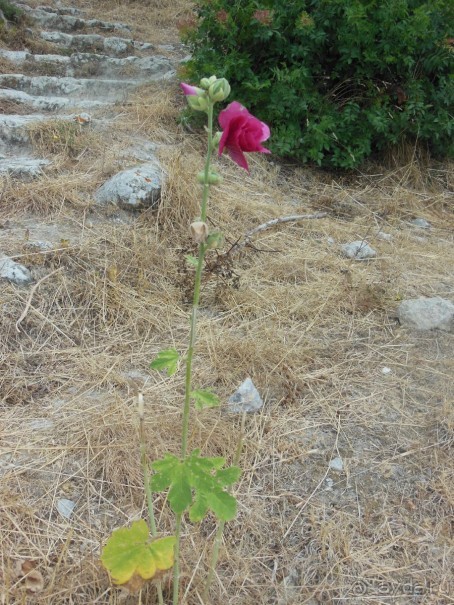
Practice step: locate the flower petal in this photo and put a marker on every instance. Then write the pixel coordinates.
(190, 90)
(238, 157)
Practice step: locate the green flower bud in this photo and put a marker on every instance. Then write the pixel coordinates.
(212, 79)
(213, 178)
(219, 90)
(217, 139)
(205, 83)
(197, 103)
(215, 240)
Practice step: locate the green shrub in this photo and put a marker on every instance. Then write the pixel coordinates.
(336, 80)
(11, 12)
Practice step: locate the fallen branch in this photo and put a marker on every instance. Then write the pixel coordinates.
(30, 297)
(272, 223)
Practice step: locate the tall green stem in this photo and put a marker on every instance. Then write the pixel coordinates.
(220, 528)
(191, 348)
(197, 283)
(146, 482)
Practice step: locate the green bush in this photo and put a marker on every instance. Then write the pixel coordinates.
(337, 80)
(11, 12)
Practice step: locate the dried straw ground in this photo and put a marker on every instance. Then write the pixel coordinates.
(312, 329)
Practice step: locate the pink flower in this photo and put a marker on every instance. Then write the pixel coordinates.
(221, 16)
(241, 132)
(190, 90)
(263, 16)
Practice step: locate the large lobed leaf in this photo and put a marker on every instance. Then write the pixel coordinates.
(202, 475)
(129, 552)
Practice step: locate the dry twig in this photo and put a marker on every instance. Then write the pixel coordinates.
(30, 297)
(272, 223)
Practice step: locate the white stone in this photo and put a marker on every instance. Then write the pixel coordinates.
(336, 464)
(133, 188)
(65, 507)
(386, 370)
(245, 399)
(13, 271)
(387, 237)
(427, 314)
(359, 250)
(421, 223)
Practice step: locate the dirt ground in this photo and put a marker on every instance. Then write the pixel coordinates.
(317, 333)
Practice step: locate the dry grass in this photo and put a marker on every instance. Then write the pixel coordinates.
(312, 329)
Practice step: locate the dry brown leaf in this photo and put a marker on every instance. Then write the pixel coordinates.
(26, 570)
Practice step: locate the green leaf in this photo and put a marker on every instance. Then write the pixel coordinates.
(192, 260)
(166, 360)
(204, 399)
(129, 552)
(202, 476)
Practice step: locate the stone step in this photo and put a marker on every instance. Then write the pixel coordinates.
(62, 10)
(22, 167)
(74, 88)
(112, 46)
(50, 104)
(51, 18)
(14, 129)
(89, 64)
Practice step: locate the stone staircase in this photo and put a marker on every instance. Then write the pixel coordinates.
(88, 71)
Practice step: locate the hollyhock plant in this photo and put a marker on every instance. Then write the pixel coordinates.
(242, 132)
(197, 484)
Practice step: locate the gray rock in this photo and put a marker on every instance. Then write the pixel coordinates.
(421, 223)
(79, 88)
(92, 42)
(22, 167)
(359, 250)
(68, 23)
(13, 271)
(245, 399)
(65, 507)
(43, 103)
(138, 187)
(387, 237)
(41, 424)
(336, 464)
(427, 314)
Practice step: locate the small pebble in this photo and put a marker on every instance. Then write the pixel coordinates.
(336, 464)
(245, 399)
(421, 223)
(65, 507)
(387, 237)
(359, 250)
(329, 484)
(386, 370)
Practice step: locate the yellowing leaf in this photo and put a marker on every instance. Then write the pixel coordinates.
(130, 552)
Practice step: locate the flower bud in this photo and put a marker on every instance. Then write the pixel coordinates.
(219, 90)
(212, 79)
(216, 139)
(215, 240)
(205, 83)
(199, 103)
(199, 232)
(213, 178)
